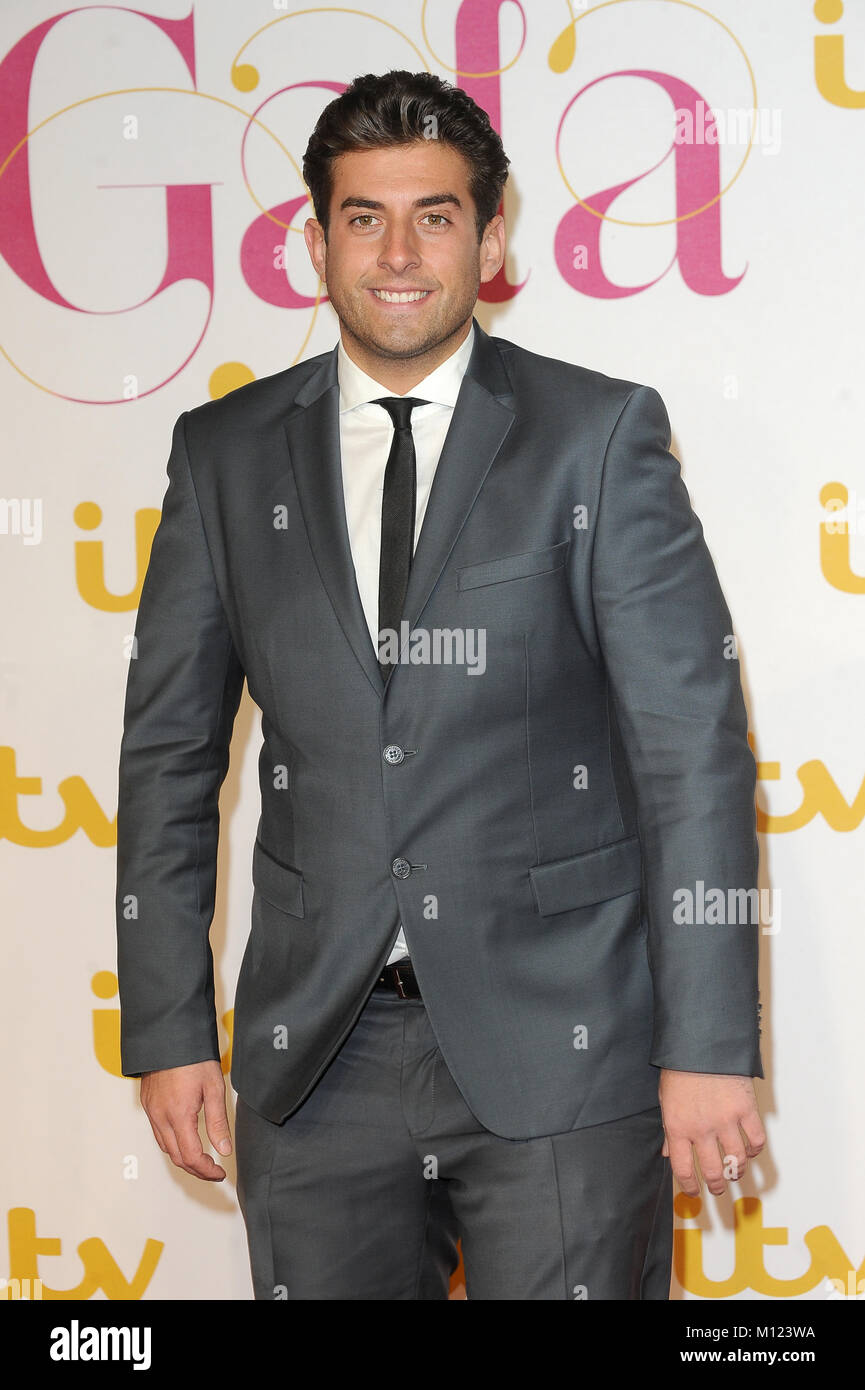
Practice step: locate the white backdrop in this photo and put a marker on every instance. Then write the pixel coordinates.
(138, 210)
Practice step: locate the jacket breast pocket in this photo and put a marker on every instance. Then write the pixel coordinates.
(592, 877)
(278, 883)
(513, 566)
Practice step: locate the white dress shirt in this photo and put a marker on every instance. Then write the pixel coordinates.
(365, 435)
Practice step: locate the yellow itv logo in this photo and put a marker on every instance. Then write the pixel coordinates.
(100, 1269)
(828, 1260)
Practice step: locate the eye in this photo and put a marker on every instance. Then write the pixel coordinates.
(367, 218)
(442, 220)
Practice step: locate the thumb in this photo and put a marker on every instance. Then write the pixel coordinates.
(216, 1119)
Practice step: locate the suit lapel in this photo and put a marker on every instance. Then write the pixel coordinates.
(482, 417)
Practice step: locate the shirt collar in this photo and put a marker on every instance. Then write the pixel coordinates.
(442, 385)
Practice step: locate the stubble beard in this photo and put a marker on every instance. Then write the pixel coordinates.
(402, 345)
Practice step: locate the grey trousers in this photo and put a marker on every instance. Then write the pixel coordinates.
(363, 1192)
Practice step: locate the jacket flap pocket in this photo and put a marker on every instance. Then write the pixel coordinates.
(591, 877)
(281, 885)
(512, 566)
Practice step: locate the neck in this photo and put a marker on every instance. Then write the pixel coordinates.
(401, 375)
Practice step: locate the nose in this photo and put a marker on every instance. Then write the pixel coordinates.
(399, 249)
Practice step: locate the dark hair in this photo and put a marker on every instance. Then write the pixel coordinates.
(398, 108)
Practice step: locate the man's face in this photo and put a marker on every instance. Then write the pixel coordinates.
(402, 263)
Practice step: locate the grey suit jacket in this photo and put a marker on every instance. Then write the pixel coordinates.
(532, 821)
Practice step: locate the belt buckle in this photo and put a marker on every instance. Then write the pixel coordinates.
(399, 985)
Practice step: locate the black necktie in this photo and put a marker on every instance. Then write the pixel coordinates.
(397, 516)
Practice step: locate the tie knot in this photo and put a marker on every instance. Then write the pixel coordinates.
(399, 408)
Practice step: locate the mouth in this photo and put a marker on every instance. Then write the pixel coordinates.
(401, 296)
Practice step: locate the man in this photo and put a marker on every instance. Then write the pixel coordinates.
(469, 1005)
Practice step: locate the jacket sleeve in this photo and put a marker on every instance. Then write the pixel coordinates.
(182, 694)
(665, 633)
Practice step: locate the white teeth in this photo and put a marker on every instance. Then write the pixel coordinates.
(407, 296)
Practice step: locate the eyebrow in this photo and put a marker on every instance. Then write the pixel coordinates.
(431, 200)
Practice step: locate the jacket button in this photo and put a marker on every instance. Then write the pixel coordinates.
(400, 868)
(393, 753)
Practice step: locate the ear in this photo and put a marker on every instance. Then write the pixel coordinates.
(492, 248)
(313, 235)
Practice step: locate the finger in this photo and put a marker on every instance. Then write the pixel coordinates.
(682, 1164)
(755, 1134)
(216, 1119)
(734, 1157)
(665, 1147)
(709, 1159)
(191, 1153)
(154, 1125)
(171, 1146)
(157, 1134)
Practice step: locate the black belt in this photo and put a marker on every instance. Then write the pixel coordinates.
(400, 979)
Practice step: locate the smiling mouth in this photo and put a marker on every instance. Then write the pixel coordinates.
(401, 296)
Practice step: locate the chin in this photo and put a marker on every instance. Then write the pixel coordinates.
(404, 346)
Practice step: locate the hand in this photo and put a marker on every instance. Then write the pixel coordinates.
(172, 1100)
(706, 1110)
